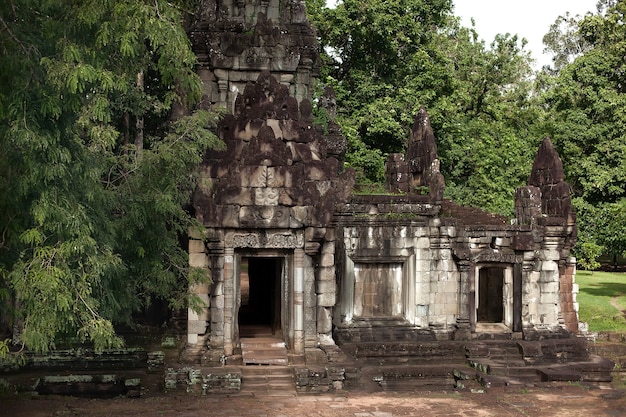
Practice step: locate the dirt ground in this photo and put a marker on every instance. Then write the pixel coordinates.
(563, 399)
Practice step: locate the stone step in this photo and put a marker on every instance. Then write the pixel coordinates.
(275, 380)
(409, 384)
(264, 351)
(493, 381)
(560, 374)
(509, 368)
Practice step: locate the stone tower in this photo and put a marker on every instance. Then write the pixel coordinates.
(235, 40)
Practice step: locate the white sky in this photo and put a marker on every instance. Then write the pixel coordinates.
(530, 19)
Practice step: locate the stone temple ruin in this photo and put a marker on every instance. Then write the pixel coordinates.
(332, 277)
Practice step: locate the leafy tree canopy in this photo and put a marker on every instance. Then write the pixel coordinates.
(94, 172)
(386, 59)
(586, 100)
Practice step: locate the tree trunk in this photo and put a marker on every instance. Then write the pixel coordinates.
(139, 121)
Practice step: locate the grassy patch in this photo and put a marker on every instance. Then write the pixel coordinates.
(600, 293)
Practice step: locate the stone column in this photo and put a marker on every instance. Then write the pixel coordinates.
(229, 301)
(326, 291)
(463, 331)
(422, 277)
(549, 282)
(471, 296)
(217, 305)
(568, 290)
(529, 291)
(298, 301)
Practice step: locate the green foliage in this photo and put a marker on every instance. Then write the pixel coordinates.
(588, 256)
(386, 59)
(586, 100)
(94, 173)
(601, 297)
(4, 348)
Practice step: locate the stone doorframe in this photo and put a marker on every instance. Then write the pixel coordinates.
(288, 245)
(507, 293)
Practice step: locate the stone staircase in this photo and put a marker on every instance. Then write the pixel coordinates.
(522, 363)
(475, 365)
(268, 380)
(264, 351)
(407, 366)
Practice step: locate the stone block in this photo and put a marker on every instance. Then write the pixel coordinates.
(437, 320)
(196, 326)
(443, 299)
(284, 199)
(327, 259)
(547, 309)
(198, 260)
(548, 287)
(279, 177)
(266, 196)
(299, 213)
(241, 196)
(192, 338)
(196, 246)
(269, 216)
(323, 287)
(285, 78)
(326, 274)
(447, 287)
(202, 314)
(217, 315)
(218, 302)
(228, 216)
(551, 254)
(326, 300)
(221, 73)
(549, 266)
(422, 322)
(204, 299)
(254, 176)
(324, 320)
(199, 289)
(547, 298)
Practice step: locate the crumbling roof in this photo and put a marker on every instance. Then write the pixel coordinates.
(471, 215)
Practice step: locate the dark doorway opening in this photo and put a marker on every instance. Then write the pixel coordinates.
(260, 284)
(490, 295)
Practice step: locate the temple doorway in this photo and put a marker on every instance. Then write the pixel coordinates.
(260, 287)
(490, 295)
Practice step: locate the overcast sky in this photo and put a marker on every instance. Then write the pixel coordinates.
(530, 19)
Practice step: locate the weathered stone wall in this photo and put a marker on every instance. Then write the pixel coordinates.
(411, 250)
(236, 40)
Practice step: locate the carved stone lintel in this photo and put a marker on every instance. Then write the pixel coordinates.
(248, 240)
(266, 240)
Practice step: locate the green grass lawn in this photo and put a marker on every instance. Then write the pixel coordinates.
(599, 293)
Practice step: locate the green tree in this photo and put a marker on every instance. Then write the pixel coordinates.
(489, 126)
(586, 99)
(94, 171)
(389, 58)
